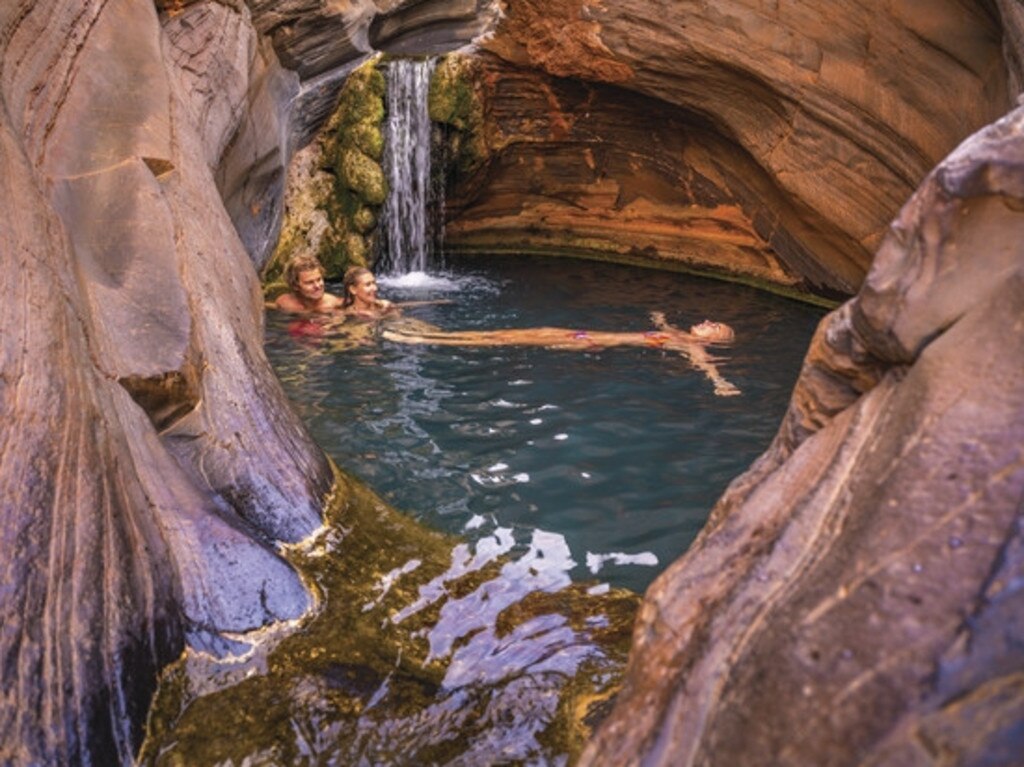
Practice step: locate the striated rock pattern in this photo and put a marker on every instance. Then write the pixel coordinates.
(148, 460)
(845, 107)
(858, 595)
(594, 170)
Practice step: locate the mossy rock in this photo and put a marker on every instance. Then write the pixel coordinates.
(362, 175)
(356, 249)
(452, 97)
(367, 137)
(364, 220)
(362, 97)
(454, 100)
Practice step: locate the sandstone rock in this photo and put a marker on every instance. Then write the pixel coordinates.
(432, 27)
(558, 166)
(845, 108)
(148, 460)
(856, 597)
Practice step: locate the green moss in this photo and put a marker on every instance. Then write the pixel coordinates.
(362, 175)
(349, 148)
(357, 681)
(454, 100)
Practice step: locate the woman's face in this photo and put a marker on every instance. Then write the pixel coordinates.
(713, 331)
(364, 290)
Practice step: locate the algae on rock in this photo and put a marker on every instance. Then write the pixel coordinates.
(336, 185)
(454, 101)
(425, 650)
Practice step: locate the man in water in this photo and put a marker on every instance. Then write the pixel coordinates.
(305, 278)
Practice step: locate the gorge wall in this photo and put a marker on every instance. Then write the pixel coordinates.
(774, 140)
(150, 467)
(858, 595)
(149, 462)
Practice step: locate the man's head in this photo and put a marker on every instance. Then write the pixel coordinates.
(305, 277)
(713, 332)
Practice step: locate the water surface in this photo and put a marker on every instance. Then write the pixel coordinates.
(622, 451)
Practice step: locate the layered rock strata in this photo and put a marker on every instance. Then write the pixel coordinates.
(844, 108)
(565, 167)
(857, 596)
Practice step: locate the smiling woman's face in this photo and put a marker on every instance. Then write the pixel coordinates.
(364, 289)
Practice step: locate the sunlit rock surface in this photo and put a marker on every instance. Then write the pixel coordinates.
(844, 108)
(858, 595)
(148, 459)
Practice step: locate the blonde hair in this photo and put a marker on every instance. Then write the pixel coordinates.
(352, 274)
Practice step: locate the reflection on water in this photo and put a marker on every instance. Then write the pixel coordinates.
(426, 650)
(622, 451)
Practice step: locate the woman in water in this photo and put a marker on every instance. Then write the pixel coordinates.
(691, 344)
(360, 303)
(359, 299)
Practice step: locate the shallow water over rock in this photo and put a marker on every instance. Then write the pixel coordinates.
(425, 650)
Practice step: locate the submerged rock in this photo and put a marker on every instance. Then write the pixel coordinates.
(426, 650)
(857, 595)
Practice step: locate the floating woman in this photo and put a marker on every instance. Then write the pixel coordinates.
(691, 344)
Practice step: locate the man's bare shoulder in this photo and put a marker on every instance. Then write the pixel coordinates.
(289, 302)
(330, 302)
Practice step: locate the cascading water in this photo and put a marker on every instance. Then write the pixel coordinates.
(408, 245)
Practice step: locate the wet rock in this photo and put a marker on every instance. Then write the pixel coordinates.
(842, 605)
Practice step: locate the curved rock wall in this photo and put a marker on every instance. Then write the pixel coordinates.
(148, 459)
(843, 107)
(857, 596)
(599, 171)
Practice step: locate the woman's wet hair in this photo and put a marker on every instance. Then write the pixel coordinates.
(352, 275)
(298, 264)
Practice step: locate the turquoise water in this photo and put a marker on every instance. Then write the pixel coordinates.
(622, 452)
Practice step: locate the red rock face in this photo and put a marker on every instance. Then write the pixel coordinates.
(601, 172)
(843, 108)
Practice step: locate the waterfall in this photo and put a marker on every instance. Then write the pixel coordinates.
(408, 234)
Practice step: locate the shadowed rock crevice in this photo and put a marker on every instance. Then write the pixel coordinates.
(165, 398)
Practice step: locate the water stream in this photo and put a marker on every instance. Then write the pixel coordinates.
(408, 234)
